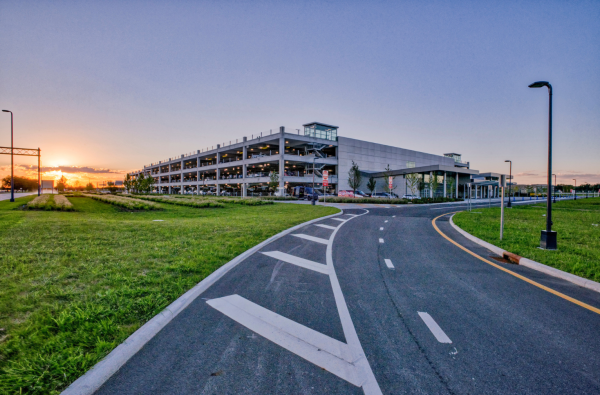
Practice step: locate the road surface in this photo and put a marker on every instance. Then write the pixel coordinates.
(375, 301)
(6, 196)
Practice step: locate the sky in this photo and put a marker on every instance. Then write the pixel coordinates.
(107, 87)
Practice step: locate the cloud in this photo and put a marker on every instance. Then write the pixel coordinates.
(64, 169)
(80, 169)
(525, 174)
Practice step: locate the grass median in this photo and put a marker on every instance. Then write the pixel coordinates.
(577, 223)
(74, 285)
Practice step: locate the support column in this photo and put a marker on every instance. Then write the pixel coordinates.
(444, 184)
(281, 159)
(218, 171)
(457, 185)
(430, 190)
(181, 191)
(244, 168)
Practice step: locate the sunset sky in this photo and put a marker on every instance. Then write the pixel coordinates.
(106, 87)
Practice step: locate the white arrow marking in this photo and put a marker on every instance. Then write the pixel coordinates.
(324, 351)
(294, 260)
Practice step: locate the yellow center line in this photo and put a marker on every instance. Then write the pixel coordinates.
(552, 291)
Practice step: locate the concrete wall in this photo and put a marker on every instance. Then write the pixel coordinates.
(375, 157)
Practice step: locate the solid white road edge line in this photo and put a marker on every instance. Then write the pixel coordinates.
(339, 219)
(103, 370)
(369, 386)
(324, 351)
(294, 260)
(389, 263)
(434, 328)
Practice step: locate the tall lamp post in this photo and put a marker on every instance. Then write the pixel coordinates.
(548, 237)
(554, 194)
(575, 190)
(509, 183)
(12, 167)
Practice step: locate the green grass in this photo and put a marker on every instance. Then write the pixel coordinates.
(74, 285)
(578, 239)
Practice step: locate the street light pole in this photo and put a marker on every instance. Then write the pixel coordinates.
(12, 167)
(548, 237)
(509, 182)
(575, 190)
(555, 185)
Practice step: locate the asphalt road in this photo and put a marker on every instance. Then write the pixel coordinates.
(6, 196)
(328, 314)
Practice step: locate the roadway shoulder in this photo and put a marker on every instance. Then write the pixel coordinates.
(582, 282)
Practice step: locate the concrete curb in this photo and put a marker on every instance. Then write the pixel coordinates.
(582, 282)
(94, 378)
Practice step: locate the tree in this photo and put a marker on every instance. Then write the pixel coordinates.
(273, 181)
(89, 187)
(26, 184)
(128, 183)
(139, 183)
(354, 178)
(372, 184)
(433, 183)
(112, 188)
(148, 184)
(412, 182)
(450, 183)
(62, 184)
(386, 180)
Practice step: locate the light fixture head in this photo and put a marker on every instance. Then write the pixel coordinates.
(508, 161)
(5, 111)
(539, 84)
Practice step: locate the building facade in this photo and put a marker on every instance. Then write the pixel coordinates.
(278, 162)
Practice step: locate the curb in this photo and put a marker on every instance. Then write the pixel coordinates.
(94, 378)
(582, 282)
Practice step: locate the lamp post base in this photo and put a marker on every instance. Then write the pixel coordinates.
(548, 240)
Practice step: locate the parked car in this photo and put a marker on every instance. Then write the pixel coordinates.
(382, 195)
(350, 193)
(409, 197)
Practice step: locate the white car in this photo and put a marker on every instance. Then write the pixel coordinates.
(409, 197)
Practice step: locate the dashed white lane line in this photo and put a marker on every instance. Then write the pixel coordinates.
(393, 216)
(385, 221)
(326, 226)
(381, 241)
(434, 328)
(322, 350)
(339, 219)
(294, 260)
(381, 228)
(389, 264)
(312, 238)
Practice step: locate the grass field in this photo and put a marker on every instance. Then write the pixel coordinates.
(73, 285)
(577, 223)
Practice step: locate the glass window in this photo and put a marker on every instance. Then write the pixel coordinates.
(410, 164)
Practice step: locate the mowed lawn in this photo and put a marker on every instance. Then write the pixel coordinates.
(577, 223)
(73, 285)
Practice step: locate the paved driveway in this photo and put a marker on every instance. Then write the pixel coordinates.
(374, 301)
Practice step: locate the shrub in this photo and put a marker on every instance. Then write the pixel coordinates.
(50, 202)
(278, 198)
(128, 203)
(333, 199)
(62, 203)
(40, 202)
(183, 202)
